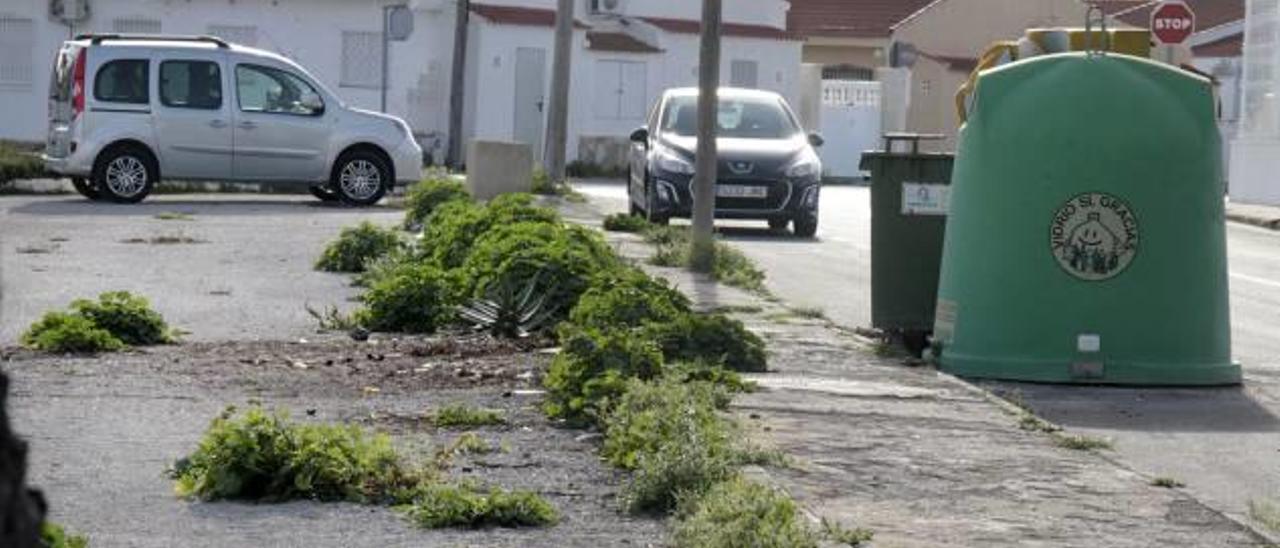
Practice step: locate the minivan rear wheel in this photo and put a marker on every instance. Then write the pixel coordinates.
(360, 178)
(124, 175)
(85, 188)
(324, 193)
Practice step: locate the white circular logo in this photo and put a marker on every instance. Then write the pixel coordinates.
(1094, 236)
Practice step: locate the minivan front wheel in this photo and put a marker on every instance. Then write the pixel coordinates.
(360, 178)
(124, 175)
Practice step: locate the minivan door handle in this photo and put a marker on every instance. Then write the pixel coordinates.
(247, 125)
(217, 124)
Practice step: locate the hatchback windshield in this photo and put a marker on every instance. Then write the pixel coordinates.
(742, 118)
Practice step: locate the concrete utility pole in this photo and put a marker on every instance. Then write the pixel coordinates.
(558, 113)
(703, 253)
(457, 91)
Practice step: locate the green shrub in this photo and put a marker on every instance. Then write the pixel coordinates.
(356, 246)
(738, 513)
(436, 506)
(15, 164)
(651, 414)
(65, 332)
(686, 463)
(53, 535)
(627, 297)
(265, 456)
(564, 259)
(465, 416)
(713, 337)
(409, 298)
(622, 222)
(127, 316)
(592, 370)
(425, 197)
(455, 227)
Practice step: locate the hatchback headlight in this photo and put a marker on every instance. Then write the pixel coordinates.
(670, 162)
(807, 166)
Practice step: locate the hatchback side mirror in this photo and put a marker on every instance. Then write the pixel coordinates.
(816, 139)
(640, 135)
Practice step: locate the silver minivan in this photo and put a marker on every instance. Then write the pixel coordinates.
(126, 110)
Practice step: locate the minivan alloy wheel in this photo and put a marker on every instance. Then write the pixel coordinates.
(360, 179)
(126, 176)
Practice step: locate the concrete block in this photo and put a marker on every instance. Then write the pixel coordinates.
(498, 167)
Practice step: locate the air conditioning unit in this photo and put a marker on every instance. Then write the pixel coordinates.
(607, 7)
(69, 11)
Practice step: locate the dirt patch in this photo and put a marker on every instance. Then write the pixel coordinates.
(104, 428)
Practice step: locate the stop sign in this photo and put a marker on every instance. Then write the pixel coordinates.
(1172, 22)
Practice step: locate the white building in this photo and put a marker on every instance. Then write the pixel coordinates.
(1255, 154)
(625, 53)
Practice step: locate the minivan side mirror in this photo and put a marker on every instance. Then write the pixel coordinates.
(816, 139)
(640, 135)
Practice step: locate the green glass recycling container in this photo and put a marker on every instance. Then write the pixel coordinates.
(1085, 241)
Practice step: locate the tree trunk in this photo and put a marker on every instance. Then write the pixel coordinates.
(21, 509)
(558, 113)
(703, 253)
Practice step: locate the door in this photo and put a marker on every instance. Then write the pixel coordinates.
(281, 130)
(531, 97)
(193, 121)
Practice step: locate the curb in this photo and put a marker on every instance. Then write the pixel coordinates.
(1253, 220)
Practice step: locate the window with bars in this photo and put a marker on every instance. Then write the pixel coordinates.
(16, 54)
(361, 60)
(136, 25)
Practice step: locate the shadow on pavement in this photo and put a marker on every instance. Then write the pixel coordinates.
(255, 205)
(1228, 409)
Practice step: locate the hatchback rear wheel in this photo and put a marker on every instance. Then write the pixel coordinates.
(360, 178)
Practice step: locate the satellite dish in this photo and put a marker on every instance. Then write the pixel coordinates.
(399, 23)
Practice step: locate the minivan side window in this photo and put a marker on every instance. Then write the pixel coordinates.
(191, 84)
(123, 81)
(274, 91)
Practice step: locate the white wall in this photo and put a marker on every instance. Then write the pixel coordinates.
(23, 107)
(756, 12)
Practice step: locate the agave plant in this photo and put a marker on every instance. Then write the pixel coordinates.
(510, 310)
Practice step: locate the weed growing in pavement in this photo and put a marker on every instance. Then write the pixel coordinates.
(731, 267)
(1265, 512)
(174, 216)
(711, 337)
(116, 320)
(591, 371)
(356, 246)
(53, 535)
(542, 184)
(470, 443)
(651, 414)
(463, 416)
(622, 222)
(810, 313)
(330, 318)
(409, 298)
(737, 309)
(738, 512)
(34, 250)
(1167, 482)
(440, 505)
(425, 197)
(1032, 423)
(839, 534)
(165, 239)
(1080, 442)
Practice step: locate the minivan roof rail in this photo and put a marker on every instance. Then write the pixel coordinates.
(99, 38)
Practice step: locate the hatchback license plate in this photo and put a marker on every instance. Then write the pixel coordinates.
(740, 191)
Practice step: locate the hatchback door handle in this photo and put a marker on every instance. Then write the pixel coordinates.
(247, 125)
(218, 124)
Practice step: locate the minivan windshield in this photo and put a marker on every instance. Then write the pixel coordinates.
(742, 118)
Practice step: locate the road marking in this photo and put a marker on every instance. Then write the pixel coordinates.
(1256, 280)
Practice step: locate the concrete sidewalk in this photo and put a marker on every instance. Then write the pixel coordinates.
(924, 459)
(1256, 215)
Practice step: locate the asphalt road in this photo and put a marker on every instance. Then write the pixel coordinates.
(1221, 442)
(237, 267)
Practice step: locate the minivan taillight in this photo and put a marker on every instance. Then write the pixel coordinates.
(77, 84)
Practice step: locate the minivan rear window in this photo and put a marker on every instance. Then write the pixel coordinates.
(123, 81)
(63, 68)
